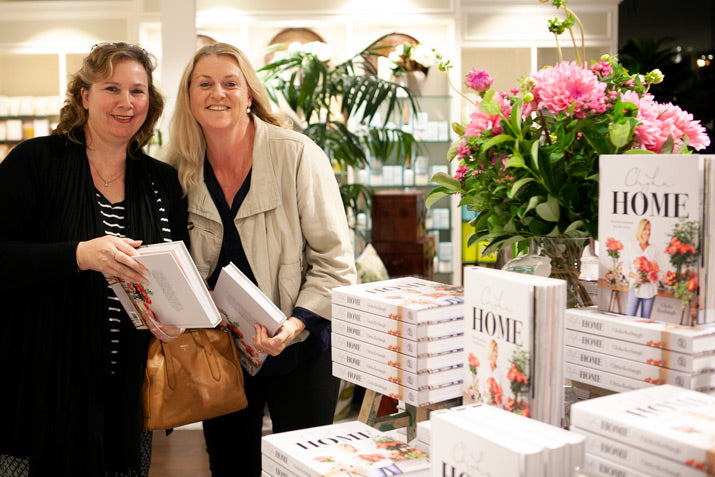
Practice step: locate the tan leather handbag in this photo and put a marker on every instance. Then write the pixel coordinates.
(195, 377)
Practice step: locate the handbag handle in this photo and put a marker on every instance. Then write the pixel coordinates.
(201, 339)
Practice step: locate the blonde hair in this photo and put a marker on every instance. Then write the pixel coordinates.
(99, 66)
(187, 145)
(641, 227)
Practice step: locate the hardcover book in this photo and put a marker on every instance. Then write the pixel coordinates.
(653, 226)
(344, 448)
(658, 334)
(423, 397)
(641, 371)
(676, 423)
(627, 455)
(175, 294)
(390, 324)
(513, 324)
(409, 299)
(245, 305)
(459, 447)
(415, 381)
(423, 364)
(688, 363)
(599, 467)
(602, 379)
(397, 343)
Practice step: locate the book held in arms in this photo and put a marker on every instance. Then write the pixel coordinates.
(401, 337)
(244, 305)
(621, 353)
(481, 440)
(513, 338)
(656, 431)
(655, 222)
(344, 448)
(175, 294)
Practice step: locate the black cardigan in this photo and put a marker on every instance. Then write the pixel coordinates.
(53, 325)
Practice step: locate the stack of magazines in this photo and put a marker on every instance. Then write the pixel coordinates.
(402, 338)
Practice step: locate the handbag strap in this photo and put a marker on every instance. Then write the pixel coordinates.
(203, 341)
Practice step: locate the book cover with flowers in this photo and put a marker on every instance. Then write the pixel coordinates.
(344, 448)
(513, 324)
(409, 299)
(675, 423)
(651, 229)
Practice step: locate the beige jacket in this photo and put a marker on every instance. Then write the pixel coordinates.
(292, 224)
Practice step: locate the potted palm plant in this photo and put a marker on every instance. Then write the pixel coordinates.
(345, 108)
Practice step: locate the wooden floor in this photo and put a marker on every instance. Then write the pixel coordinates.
(180, 454)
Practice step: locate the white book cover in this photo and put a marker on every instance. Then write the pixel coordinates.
(659, 334)
(641, 371)
(641, 460)
(396, 343)
(650, 227)
(599, 467)
(423, 364)
(274, 469)
(341, 448)
(677, 423)
(510, 321)
(458, 447)
(422, 397)
(688, 363)
(175, 294)
(572, 443)
(390, 324)
(409, 299)
(602, 379)
(415, 381)
(245, 305)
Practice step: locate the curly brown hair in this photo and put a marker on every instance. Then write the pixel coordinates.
(98, 66)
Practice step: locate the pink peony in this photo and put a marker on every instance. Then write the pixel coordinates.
(567, 84)
(684, 125)
(479, 81)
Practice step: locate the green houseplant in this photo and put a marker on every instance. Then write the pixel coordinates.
(337, 105)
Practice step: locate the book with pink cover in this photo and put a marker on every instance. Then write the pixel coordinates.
(175, 294)
(676, 423)
(344, 448)
(244, 305)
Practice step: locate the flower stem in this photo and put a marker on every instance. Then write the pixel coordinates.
(451, 85)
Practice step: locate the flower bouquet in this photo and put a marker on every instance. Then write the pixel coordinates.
(613, 248)
(527, 158)
(408, 57)
(519, 383)
(646, 270)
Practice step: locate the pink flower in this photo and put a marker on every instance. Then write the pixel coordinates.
(480, 121)
(568, 84)
(685, 126)
(479, 81)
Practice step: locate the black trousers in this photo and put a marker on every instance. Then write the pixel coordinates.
(305, 397)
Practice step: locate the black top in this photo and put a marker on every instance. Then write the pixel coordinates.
(53, 326)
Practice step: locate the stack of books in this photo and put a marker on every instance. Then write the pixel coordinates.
(402, 338)
(658, 431)
(478, 439)
(345, 448)
(621, 353)
(513, 342)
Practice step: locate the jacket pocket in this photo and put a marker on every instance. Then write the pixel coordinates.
(289, 281)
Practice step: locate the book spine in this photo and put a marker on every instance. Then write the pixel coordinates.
(626, 455)
(274, 469)
(419, 365)
(402, 313)
(599, 467)
(667, 444)
(391, 325)
(636, 370)
(409, 396)
(285, 461)
(397, 343)
(602, 379)
(396, 375)
(644, 354)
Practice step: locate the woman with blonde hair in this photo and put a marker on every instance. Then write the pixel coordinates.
(265, 198)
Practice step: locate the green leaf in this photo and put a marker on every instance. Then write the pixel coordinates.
(436, 194)
(516, 160)
(518, 185)
(489, 105)
(533, 202)
(550, 210)
(619, 134)
(444, 179)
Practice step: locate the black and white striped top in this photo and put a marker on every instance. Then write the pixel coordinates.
(114, 220)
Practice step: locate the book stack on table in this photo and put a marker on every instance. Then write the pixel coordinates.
(658, 431)
(622, 353)
(479, 439)
(402, 338)
(344, 448)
